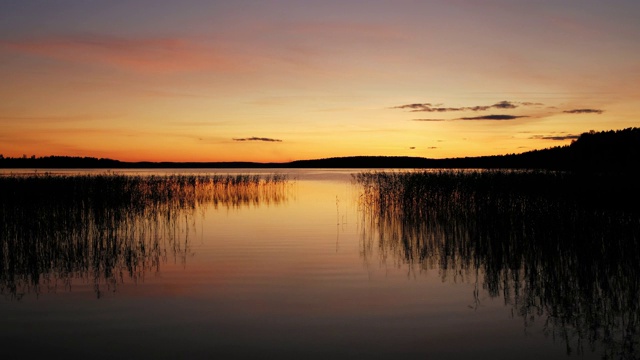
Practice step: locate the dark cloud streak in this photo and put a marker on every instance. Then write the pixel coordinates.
(492, 117)
(555, 137)
(584, 111)
(257, 139)
(429, 107)
(483, 117)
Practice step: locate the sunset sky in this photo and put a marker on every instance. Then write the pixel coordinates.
(265, 80)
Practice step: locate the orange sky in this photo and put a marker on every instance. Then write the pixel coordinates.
(284, 80)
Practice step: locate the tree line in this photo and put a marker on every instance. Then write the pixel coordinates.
(604, 151)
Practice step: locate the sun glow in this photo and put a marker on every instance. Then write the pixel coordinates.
(325, 81)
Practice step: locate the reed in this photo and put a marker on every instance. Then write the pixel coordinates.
(533, 238)
(106, 229)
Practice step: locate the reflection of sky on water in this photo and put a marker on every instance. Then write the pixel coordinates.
(309, 275)
(556, 260)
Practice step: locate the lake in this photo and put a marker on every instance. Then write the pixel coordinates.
(315, 265)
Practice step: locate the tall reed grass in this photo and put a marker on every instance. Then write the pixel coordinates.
(532, 238)
(105, 229)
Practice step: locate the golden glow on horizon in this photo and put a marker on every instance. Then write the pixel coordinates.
(324, 81)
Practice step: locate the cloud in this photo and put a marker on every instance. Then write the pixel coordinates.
(504, 105)
(429, 107)
(492, 117)
(432, 147)
(415, 107)
(412, 148)
(555, 137)
(483, 117)
(142, 55)
(584, 111)
(257, 139)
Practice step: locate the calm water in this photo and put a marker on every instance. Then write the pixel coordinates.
(312, 269)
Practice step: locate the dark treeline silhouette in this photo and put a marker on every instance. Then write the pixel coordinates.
(71, 162)
(557, 260)
(613, 151)
(607, 151)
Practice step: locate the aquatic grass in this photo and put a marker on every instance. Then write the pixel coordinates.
(106, 228)
(545, 242)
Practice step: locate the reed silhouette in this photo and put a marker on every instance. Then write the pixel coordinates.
(107, 229)
(528, 237)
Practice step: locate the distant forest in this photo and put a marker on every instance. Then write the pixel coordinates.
(606, 151)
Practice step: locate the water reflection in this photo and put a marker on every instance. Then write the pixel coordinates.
(106, 229)
(520, 236)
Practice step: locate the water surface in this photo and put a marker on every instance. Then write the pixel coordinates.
(313, 268)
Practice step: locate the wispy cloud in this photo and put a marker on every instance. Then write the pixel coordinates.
(257, 139)
(504, 105)
(584, 111)
(144, 55)
(492, 117)
(429, 107)
(414, 107)
(483, 117)
(555, 137)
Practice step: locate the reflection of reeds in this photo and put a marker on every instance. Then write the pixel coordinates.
(534, 238)
(104, 228)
